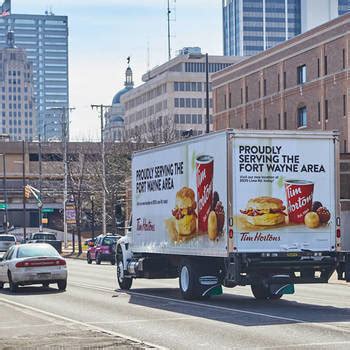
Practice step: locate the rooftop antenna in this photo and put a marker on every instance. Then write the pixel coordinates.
(169, 11)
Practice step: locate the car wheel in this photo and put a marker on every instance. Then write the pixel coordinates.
(188, 280)
(88, 258)
(113, 262)
(124, 282)
(62, 285)
(1, 285)
(13, 285)
(98, 259)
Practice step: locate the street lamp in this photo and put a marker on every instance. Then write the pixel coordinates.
(5, 190)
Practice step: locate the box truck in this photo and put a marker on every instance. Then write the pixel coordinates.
(236, 207)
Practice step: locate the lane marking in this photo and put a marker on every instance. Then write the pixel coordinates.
(221, 308)
(302, 345)
(146, 320)
(89, 326)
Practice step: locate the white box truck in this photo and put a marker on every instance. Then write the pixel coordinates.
(237, 207)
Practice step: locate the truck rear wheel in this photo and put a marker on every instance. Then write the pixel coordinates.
(262, 292)
(188, 280)
(124, 282)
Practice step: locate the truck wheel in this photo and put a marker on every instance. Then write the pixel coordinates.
(262, 292)
(88, 258)
(188, 280)
(124, 283)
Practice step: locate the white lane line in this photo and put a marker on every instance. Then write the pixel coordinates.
(89, 326)
(302, 345)
(147, 320)
(221, 308)
(191, 303)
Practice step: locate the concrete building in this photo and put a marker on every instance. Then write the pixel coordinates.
(300, 84)
(172, 99)
(251, 26)
(114, 128)
(45, 39)
(17, 112)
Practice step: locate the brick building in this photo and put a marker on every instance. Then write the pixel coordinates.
(299, 84)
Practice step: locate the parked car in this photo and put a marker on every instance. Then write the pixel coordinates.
(45, 237)
(6, 241)
(36, 263)
(103, 249)
(90, 242)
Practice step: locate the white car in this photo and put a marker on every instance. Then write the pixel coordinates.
(6, 241)
(36, 263)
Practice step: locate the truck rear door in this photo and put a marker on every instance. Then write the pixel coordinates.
(283, 191)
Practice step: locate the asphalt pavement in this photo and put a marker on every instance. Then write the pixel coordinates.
(152, 314)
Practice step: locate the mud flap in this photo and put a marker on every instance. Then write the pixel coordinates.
(209, 286)
(280, 289)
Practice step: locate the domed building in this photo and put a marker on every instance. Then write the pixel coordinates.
(114, 129)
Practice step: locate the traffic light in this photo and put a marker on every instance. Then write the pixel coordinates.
(27, 191)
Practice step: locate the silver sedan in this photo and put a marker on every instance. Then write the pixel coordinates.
(37, 263)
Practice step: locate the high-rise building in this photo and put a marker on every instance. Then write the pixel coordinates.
(17, 112)
(252, 26)
(45, 39)
(172, 101)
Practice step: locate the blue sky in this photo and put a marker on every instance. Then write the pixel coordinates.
(103, 33)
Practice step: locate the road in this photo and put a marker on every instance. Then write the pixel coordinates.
(316, 316)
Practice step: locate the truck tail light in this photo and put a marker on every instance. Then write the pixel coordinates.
(338, 233)
(39, 263)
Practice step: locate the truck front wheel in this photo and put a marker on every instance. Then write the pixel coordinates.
(124, 282)
(188, 280)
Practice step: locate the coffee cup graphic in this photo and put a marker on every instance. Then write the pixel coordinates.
(204, 179)
(299, 199)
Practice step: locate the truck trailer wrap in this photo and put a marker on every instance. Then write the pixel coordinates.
(257, 208)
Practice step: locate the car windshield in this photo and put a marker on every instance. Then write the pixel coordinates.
(31, 250)
(109, 240)
(7, 238)
(44, 236)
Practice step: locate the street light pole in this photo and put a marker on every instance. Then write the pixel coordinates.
(40, 203)
(5, 191)
(24, 185)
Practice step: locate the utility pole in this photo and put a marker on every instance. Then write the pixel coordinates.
(104, 188)
(64, 123)
(40, 203)
(5, 191)
(24, 185)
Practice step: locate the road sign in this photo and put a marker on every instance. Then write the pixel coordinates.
(44, 220)
(47, 210)
(3, 206)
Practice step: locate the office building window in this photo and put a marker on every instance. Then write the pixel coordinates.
(319, 111)
(301, 74)
(284, 80)
(279, 121)
(246, 95)
(325, 66)
(344, 105)
(302, 117)
(265, 88)
(318, 68)
(278, 83)
(344, 58)
(326, 109)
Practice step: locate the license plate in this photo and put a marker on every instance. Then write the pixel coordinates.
(44, 275)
